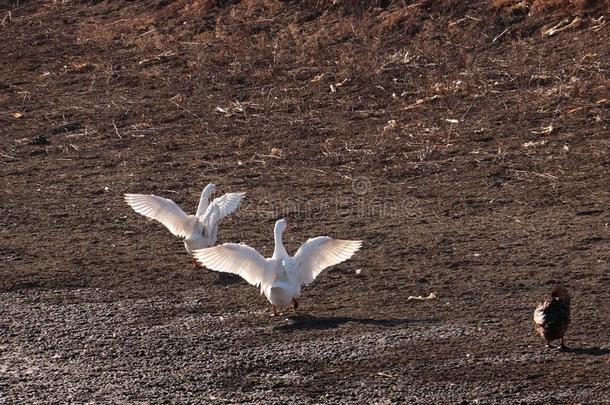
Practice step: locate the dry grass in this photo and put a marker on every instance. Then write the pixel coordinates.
(560, 7)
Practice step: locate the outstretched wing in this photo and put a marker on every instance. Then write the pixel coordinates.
(161, 209)
(227, 203)
(238, 259)
(319, 253)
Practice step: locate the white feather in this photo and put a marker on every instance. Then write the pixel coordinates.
(238, 259)
(539, 317)
(319, 253)
(227, 204)
(163, 210)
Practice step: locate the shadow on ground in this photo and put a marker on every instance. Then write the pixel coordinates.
(309, 322)
(590, 351)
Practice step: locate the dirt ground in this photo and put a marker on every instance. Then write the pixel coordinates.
(466, 143)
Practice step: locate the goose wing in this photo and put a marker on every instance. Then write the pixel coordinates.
(238, 259)
(227, 204)
(319, 253)
(163, 210)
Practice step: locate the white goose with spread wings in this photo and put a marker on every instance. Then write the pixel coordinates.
(280, 277)
(199, 230)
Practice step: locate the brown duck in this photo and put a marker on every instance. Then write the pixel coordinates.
(552, 317)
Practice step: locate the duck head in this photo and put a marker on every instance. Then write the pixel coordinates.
(561, 293)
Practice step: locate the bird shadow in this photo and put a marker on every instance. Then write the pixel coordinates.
(310, 322)
(590, 351)
(227, 279)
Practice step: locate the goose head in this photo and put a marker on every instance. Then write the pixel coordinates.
(209, 189)
(280, 226)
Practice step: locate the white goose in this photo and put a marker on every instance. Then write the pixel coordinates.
(280, 278)
(199, 230)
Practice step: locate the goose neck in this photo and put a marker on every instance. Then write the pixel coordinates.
(279, 251)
